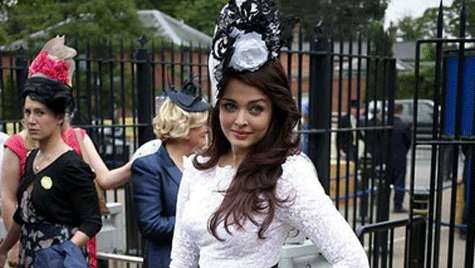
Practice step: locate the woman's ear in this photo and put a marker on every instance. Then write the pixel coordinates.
(60, 119)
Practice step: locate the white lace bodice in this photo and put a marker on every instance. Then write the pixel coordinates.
(311, 211)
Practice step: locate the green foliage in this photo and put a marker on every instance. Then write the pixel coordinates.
(406, 83)
(341, 18)
(199, 14)
(454, 17)
(95, 19)
(382, 41)
(411, 29)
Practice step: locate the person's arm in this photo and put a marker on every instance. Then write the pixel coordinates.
(10, 240)
(311, 211)
(148, 201)
(79, 186)
(185, 252)
(80, 239)
(9, 185)
(107, 179)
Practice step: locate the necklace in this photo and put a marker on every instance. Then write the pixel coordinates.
(42, 160)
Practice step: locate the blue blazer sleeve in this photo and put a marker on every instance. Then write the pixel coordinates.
(146, 180)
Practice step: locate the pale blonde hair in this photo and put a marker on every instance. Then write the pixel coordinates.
(172, 122)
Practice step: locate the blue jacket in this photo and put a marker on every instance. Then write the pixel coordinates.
(155, 181)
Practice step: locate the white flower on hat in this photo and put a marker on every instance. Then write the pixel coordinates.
(250, 52)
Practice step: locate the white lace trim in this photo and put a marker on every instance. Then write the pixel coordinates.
(310, 211)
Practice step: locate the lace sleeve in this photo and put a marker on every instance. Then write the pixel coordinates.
(312, 211)
(184, 251)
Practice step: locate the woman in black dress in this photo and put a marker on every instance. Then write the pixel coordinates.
(57, 200)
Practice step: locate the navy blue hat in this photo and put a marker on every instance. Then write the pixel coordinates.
(187, 98)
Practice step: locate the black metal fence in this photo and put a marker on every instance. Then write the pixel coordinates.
(383, 255)
(453, 118)
(444, 235)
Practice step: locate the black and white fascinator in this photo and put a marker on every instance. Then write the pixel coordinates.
(247, 35)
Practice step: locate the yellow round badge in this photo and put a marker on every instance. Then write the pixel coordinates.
(46, 182)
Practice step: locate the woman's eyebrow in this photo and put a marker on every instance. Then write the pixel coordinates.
(230, 100)
(258, 100)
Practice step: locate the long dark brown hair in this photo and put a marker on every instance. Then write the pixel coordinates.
(252, 191)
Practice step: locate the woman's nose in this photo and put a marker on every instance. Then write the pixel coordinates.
(29, 119)
(241, 119)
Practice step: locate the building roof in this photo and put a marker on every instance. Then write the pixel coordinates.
(405, 50)
(176, 31)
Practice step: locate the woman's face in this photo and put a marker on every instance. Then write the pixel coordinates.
(39, 120)
(198, 136)
(245, 114)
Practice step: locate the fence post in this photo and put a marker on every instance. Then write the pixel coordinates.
(21, 71)
(102, 264)
(469, 214)
(420, 206)
(320, 107)
(143, 74)
(143, 78)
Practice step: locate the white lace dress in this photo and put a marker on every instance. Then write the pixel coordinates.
(311, 211)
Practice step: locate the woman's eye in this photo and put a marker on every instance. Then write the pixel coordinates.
(229, 107)
(255, 110)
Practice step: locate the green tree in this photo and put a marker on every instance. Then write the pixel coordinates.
(453, 16)
(95, 19)
(199, 14)
(406, 83)
(410, 29)
(343, 17)
(425, 26)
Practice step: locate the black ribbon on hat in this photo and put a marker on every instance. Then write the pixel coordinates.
(187, 98)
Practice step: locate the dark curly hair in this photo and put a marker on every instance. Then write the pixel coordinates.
(252, 190)
(55, 95)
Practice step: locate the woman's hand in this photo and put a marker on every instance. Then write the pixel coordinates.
(12, 256)
(79, 239)
(3, 259)
(3, 254)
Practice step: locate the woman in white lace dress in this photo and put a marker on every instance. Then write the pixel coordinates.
(238, 200)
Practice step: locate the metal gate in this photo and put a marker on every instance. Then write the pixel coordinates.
(439, 231)
(452, 133)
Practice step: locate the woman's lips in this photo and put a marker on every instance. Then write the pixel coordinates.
(33, 131)
(240, 135)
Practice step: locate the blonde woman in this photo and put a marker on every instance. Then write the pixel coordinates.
(181, 125)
